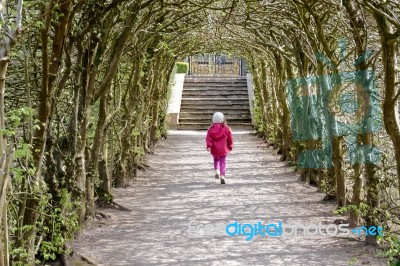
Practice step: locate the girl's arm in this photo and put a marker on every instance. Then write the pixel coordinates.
(209, 141)
(229, 140)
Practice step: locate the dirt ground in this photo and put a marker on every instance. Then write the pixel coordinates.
(179, 188)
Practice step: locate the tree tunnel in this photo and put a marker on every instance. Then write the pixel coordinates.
(84, 91)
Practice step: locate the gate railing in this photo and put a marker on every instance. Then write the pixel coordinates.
(216, 65)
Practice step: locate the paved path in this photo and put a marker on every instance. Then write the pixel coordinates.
(179, 186)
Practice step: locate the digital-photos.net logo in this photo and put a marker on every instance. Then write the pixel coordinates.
(280, 229)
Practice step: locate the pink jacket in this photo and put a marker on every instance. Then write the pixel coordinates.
(219, 139)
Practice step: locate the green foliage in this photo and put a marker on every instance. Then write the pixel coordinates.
(104, 198)
(15, 118)
(136, 132)
(56, 225)
(390, 241)
(258, 117)
(361, 209)
(139, 151)
(392, 252)
(326, 185)
(182, 68)
(23, 151)
(352, 261)
(163, 119)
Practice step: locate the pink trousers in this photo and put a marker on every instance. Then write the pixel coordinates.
(220, 163)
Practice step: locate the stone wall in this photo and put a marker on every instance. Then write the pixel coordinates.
(250, 88)
(174, 106)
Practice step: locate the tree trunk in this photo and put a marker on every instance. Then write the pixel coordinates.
(389, 48)
(50, 66)
(97, 146)
(389, 55)
(287, 138)
(5, 163)
(122, 172)
(358, 27)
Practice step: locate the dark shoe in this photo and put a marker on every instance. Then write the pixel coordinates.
(222, 180)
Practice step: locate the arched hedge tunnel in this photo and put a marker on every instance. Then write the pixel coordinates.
(84, 92)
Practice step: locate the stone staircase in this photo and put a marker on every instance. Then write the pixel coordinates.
(203, 96)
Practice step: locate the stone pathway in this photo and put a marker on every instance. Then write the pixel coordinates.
(179, 188)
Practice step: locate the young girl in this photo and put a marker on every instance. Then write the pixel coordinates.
(219, 142)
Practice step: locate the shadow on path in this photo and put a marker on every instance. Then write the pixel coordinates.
(179, 186)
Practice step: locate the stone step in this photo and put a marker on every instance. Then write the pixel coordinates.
(208, 120)
(214, 93)
(219, 88)
(213, 109)
(216, 79)
(211, 80)
(225, 76)
(194, 106)
(213, 85)
(208, 115)
(205, 126)
(216, 82)
(216, 100)
(219, 96)
(204, 95)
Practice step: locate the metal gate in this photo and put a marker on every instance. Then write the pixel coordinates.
(215, 65)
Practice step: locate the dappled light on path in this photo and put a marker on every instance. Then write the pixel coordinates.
(179, 187)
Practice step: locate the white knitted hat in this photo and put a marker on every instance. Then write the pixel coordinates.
(218, 117)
